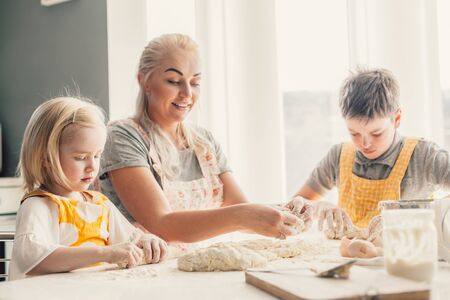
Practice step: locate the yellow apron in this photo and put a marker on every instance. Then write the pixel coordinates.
(360, 196)
(80, 222)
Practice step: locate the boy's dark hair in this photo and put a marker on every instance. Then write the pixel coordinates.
(369, 94)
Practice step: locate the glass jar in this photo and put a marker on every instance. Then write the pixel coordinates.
(410, 243)
(402, 204)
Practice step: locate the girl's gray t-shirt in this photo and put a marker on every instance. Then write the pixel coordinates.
(125, 147)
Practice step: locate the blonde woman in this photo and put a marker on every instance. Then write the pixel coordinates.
(171, 177)
(61, 226)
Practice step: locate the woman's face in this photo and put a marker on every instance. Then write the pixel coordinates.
(173, 88)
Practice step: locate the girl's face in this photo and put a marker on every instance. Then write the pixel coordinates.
(79, 155)
(373, 137)
(173, 88)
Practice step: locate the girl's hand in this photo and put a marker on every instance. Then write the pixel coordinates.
(126, 255)
(155, 248)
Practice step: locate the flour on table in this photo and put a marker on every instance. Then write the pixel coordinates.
(133, 273)
(113, 272)
(261, 244)
(236, 256)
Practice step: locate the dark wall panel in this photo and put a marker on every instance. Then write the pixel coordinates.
(44, 50)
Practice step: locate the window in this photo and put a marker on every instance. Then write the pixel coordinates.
(312, 64)
(443, 11)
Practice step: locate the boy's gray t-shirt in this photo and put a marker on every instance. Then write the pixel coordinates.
(427, 172)
(125, 147)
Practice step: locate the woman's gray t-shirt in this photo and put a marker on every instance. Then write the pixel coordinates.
(125, 147)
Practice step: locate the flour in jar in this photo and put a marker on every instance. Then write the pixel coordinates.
(410, 243)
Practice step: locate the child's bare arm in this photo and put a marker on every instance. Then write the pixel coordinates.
(65, 259)
(308, 193)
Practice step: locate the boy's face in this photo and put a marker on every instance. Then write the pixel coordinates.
(372, 137)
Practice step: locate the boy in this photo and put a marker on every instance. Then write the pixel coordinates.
(379, 164)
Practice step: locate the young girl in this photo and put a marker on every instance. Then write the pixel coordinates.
(59, 159)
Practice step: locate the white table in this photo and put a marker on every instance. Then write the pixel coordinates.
(160, 281)
(169, 283)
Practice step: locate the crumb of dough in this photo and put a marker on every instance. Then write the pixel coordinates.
(223, 257)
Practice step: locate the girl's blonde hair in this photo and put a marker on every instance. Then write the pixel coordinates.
(154, 53)
(39, 163)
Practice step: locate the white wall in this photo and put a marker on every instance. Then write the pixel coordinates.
(173, 16)
(255, 111)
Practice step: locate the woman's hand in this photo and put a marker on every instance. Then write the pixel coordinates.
(269, 221)
(375, 228)
(155, 248)
(303, 209)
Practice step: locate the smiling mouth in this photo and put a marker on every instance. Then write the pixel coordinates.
(181, 106)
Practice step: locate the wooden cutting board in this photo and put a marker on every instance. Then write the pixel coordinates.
(363, 282)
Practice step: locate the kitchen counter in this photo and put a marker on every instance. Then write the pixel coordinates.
(165, 281)
(8, 222)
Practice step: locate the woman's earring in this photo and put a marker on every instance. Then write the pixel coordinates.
(147, 90)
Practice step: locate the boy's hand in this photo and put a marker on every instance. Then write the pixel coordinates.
(337, 220)
(155, 248)
(375, 228)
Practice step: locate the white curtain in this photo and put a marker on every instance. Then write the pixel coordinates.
(241, 101)
(401, 35)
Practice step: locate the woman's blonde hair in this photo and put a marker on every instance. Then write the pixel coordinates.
(39, 163)
(154, 53)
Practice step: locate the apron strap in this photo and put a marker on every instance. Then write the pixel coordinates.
(154, 157)
(402, 162)
(346, 161)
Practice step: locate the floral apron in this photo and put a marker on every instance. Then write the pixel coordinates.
(202, 193)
